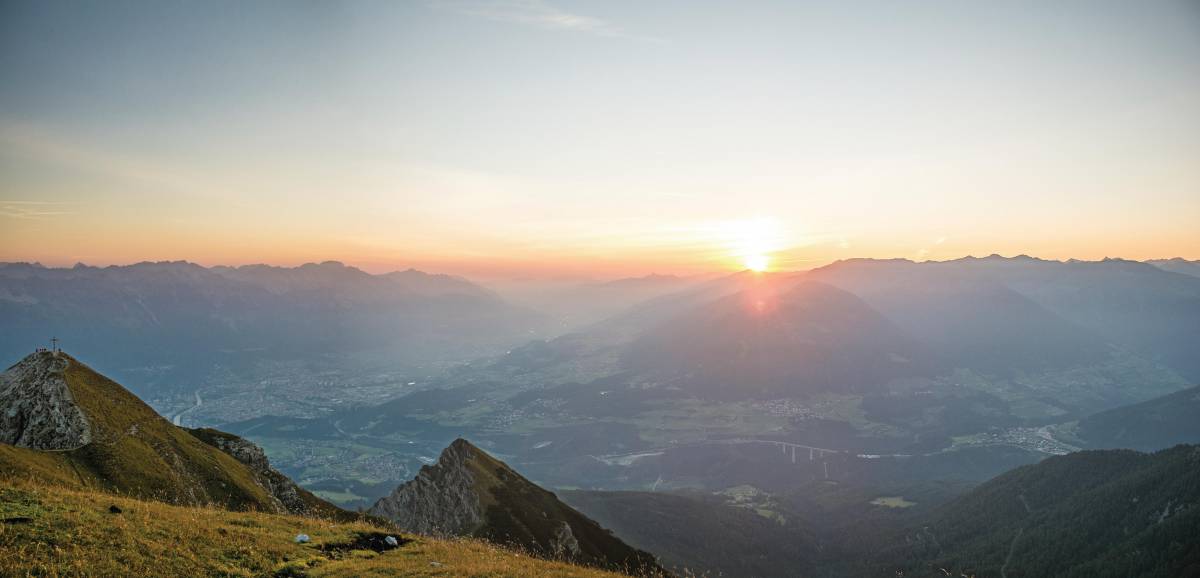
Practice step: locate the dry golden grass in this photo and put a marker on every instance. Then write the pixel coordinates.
(52, 531)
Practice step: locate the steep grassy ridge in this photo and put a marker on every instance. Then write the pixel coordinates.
(135, 451)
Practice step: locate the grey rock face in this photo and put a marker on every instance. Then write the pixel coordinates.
(441, 500)
(564, 545)
(36, 407)
(279, 486)
(243, 450)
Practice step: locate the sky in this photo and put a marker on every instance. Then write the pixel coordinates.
(601, 138)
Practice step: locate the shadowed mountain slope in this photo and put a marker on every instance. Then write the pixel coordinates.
(469, 493)
(1134, 305)
(1092, 513)
(770, 342)
(971, 320)
(1148, 426)
(702, 534)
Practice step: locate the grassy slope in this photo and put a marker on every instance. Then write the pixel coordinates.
(313, 504)
(72, 533)
(135, 451)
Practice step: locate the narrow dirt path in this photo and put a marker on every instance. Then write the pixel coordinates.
(1011, 548)
(1013, 545)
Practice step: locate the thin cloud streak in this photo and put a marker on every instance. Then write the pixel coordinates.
(537, 14)
(32, 210)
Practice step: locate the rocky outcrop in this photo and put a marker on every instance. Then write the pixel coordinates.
(279, 486)
(564, 545)
(78, 428)
(37, 410)
(470, 493)
(441, 500)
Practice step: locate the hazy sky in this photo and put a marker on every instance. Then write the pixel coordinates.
(608, 137)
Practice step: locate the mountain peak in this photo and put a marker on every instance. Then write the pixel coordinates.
(40, 412)
(470, 493)
(444, 498)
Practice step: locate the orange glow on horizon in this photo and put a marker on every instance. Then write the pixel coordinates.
(757, 263)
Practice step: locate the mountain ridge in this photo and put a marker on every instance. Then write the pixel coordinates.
(129, 448)
(469, 493)
(1094, 513)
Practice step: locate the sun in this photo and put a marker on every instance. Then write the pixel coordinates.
(757, 263)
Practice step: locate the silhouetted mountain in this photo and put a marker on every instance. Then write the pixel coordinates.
(469, 493)
(770, 343)
(332, 279)
(1148, 426)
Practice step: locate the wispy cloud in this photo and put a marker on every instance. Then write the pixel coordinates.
(33, 210)
(538, 14)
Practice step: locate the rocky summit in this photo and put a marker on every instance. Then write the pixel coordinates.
(39, 411)
(441, 500)
(470, 493)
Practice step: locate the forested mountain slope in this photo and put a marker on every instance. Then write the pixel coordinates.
(1087, 514)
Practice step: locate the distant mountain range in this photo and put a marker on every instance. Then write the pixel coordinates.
(993, 314)
(997, 316)
(190, 318)
(1068, 311)
(1178, 265)
(865, 370)
(970, 317)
